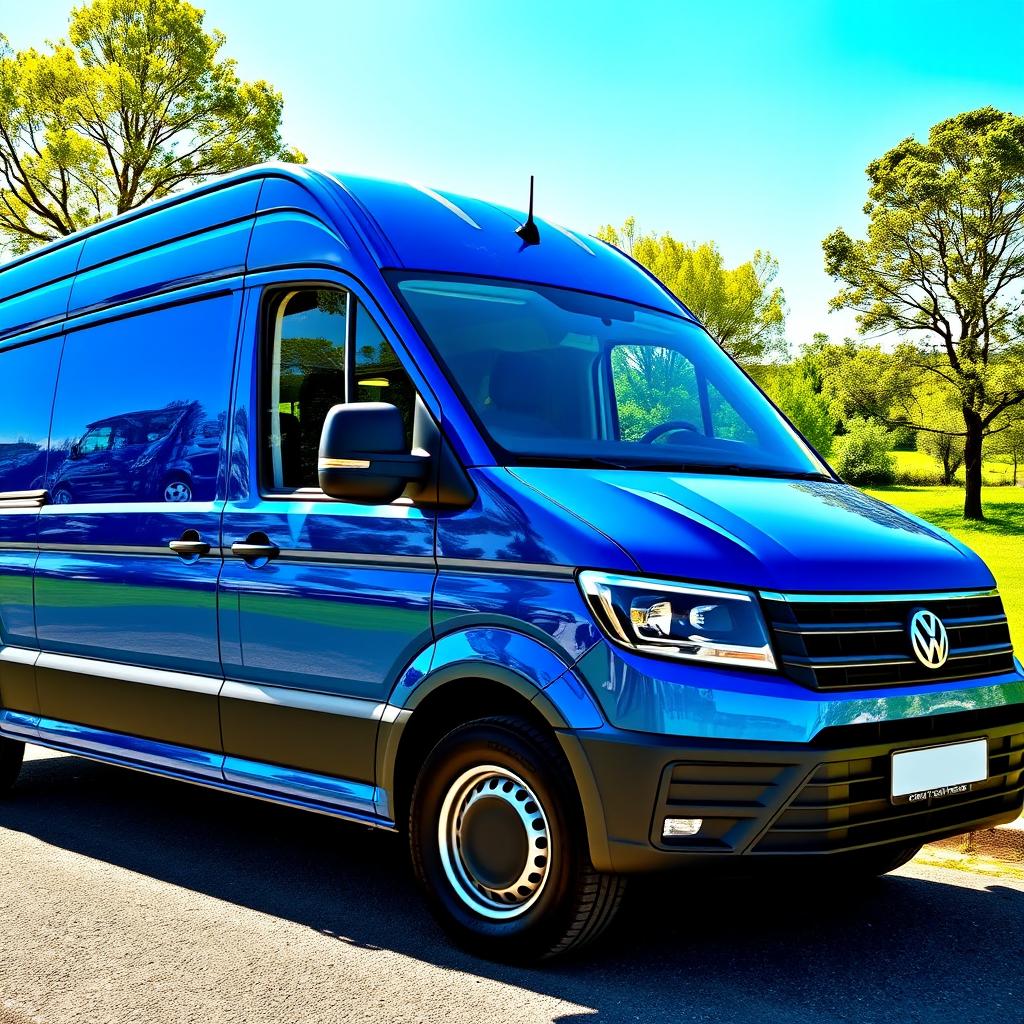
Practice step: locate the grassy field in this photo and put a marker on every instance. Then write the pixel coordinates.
(996, 469)
(999, 540)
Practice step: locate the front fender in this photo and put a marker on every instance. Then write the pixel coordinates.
(504, 656)
(526, 666)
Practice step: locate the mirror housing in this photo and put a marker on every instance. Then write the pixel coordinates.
(363, 454)
(75, 451)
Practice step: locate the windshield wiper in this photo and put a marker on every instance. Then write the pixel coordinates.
(732, 469)
(718, 468)
(578, 461)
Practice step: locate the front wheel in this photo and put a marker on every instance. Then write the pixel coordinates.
(12, 753)
(499, 845)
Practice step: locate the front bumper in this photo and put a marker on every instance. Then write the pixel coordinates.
(769, 799)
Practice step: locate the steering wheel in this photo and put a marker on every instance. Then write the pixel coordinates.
(654, 433)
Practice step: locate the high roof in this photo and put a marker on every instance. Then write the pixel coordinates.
(386, 223)
(430, 229)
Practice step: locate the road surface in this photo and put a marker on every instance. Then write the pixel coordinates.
(125, 898)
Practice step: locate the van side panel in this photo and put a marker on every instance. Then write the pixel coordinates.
(34, 292)
(200, 240)
(137, 458)
(29, 375)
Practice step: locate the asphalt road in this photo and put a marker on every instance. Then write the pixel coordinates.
(129, 898)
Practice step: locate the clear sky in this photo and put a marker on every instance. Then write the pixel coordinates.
(747, 123)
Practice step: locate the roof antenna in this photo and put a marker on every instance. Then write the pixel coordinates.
(528, 232)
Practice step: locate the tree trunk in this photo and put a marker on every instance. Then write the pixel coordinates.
(972, 465)
(947, 473)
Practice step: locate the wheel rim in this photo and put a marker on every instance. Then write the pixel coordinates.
(495, 842)
(177, 490)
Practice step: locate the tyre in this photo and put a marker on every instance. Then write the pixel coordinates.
(499, 845)
(177, 489)
(12, 754)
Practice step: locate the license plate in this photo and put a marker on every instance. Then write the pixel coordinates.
(932, 773)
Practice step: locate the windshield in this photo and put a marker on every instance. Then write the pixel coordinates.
(561, 376)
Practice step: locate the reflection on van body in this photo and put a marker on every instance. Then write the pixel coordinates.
(168, 454)
(22, 465)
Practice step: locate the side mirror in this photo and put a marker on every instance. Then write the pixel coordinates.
(75, 450)
(363, 454)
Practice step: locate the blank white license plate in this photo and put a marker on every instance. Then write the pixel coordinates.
(936, 772)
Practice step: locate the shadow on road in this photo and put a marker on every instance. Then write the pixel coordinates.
(904, 949)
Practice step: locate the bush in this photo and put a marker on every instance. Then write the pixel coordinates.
(861, 456)
(918, 478)
(806, 408)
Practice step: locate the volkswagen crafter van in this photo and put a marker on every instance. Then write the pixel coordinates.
(494, 546)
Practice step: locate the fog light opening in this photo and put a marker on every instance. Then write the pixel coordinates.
(676, 828)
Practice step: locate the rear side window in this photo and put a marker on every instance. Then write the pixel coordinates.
(29, 375)
(141, 406)
(322, 349)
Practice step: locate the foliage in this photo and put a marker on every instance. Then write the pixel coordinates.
(133, 105)
(943, 262)
(740, 307)
(945, 441)
(1008, 440)
(793, 390)
(653, 385)
(861, 455)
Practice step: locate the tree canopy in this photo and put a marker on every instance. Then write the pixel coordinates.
(741, 307)
(943, 265)
(134, 104)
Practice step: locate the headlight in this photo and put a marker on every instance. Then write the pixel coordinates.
(724, 627)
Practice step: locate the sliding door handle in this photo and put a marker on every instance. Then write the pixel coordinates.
(256, 549)
(191, 545)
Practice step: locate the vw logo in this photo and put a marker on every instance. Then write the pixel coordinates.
(929, 639)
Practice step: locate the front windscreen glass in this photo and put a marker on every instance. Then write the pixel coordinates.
(566, 377)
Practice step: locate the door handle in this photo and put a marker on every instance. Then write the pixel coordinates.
(191, 545)
(256, 548)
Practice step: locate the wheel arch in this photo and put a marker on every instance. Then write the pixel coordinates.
(464, 690)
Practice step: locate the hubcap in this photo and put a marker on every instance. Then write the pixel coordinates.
(495, 842)
(177, 491)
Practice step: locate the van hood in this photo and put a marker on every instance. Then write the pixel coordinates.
(766, 534)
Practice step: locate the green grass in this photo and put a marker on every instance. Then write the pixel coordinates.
(995, 469)
(999, 540)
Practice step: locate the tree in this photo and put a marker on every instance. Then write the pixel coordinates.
(939, 408)
(794, 391)
(741, 309)
(943, 263)
(1008, 439)
(135, 104)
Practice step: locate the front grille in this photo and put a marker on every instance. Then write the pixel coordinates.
(846, 805)
(848, 644)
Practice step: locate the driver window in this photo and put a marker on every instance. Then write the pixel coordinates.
(654, 385)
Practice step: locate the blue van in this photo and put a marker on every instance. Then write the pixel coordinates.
(398, 506)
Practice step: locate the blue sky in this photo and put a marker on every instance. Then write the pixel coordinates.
(747, 123)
